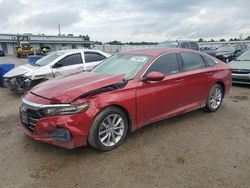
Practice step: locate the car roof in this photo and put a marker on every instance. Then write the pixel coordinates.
(78, 50)
(157, 51)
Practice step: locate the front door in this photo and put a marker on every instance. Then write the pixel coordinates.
(70, 64)
(160, 99)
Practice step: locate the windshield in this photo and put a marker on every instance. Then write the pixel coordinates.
(167, 45)
(128, 64)
(226, 48)
(49, 58)
(244, 57)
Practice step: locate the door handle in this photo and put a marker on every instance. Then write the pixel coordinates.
(178, 80)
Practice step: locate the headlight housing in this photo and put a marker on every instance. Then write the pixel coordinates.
(65, 109)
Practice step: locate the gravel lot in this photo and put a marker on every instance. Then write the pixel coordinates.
(197, 149)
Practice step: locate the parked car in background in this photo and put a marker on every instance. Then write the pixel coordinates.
(22, 78)
(241, 69)
(126, 92)
(179, 44)
(229, 52)
(2, 53)
(209, 51)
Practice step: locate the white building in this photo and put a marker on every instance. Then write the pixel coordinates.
(8, 42)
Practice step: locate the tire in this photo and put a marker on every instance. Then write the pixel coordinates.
(215, 98)
(109, 129)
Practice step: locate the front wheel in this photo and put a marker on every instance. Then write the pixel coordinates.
(214, 99)
(109, 129)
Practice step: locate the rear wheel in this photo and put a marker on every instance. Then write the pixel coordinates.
(214, 99)
(109, 129)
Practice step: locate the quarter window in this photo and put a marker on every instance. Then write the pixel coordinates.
(209, 61)
(166, 64)
(93, 56)
(192, 61)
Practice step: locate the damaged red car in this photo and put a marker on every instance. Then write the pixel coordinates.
(126, 92)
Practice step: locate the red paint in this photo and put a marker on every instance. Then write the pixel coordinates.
(144, 101)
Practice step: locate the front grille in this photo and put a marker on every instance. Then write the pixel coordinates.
(241, 80)
(29, 117)
(241, 71)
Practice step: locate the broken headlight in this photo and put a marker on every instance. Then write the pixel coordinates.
(65, 109)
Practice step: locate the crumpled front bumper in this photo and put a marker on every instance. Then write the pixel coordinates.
(67, 131)
(18, 84)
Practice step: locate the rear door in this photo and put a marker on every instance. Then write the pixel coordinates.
(157, 100)
(92, 59)
(196, 80)
(70, 64)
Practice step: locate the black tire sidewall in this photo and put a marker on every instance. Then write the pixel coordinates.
(94, 130)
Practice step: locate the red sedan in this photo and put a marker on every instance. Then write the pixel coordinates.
(126, 92)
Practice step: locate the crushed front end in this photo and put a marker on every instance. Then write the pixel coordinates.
(68, 130)
(18, 84)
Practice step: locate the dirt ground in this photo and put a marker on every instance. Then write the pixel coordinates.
(197, 149)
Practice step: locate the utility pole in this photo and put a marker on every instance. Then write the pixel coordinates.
(59, 28)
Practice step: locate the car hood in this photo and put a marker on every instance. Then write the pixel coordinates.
(240, 64)
(20, 70)
(67, 88)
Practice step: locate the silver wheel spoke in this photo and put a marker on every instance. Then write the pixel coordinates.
(104, 131)
(109, 120)
(113, 137)
(114, 119)
(104, 124)
(118, 122)
(109, 138)
(104, 138)
(120, 127)
(117, 133)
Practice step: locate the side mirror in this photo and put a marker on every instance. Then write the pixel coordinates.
(154, 76)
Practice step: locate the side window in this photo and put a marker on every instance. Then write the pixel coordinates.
(194, 46)
(70, 60)
(209, 61)
(93, 56)
(184, 45)
(166, 64)
(192, 61)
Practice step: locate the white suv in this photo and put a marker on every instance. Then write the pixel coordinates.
(58, 63)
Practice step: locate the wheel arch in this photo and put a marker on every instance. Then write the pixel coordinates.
(125, 111)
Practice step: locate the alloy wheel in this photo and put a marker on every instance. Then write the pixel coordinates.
(216, 98)
(111, 130)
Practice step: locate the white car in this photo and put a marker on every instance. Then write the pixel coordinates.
(24, 77)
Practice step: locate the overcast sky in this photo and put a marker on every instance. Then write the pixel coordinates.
(129, 20)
